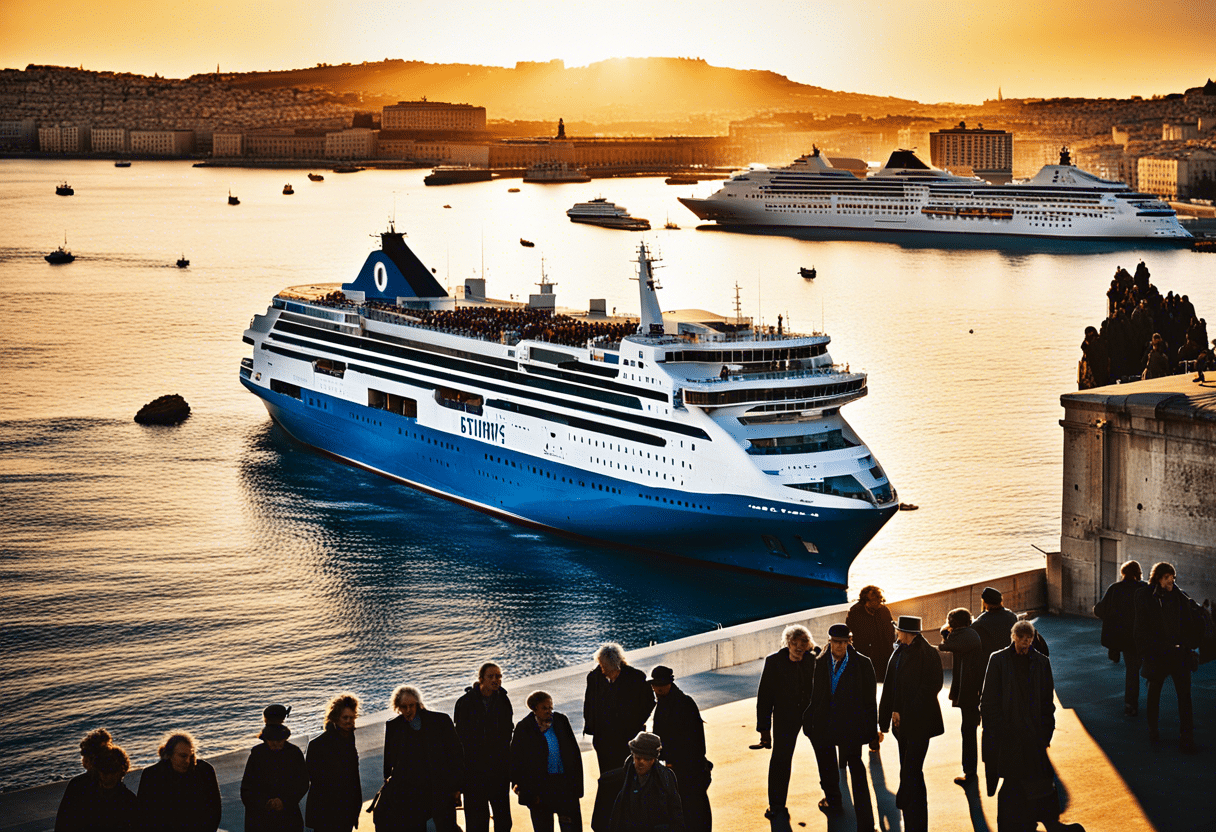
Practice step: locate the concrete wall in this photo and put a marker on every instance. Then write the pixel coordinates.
(1139, 469)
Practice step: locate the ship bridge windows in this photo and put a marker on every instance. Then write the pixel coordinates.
(329, 367)
(744, 395)
(832, 440)
(846, 485)
(459, 400)
(761, 356)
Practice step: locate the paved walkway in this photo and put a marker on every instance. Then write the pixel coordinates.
(1109, 777)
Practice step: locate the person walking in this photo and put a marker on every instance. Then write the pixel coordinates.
(873, 628)
(616, 705)
(842, 717)
(909, 708)
(335, 793)
(274, 783)
(98, 801)
(994, 623)
(180, 792)
(423, 767)
(678, 724)
(781, 700)
(966, 682)
(1018, 712)
(547, 767)
(1163, 616)
(649, 800)
(484, 723)
(1117, 609)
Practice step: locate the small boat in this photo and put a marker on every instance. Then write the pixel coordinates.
(908, 507)
(512, 190)
(122, 163)
(64, 190)
(681, 179)
(809, 274)
(182, 262)
(526, 243)
(447, 206)
(61, 254)
(671, 226)
(315, 177)
(288, 190)
(232, 200)
(346, 169)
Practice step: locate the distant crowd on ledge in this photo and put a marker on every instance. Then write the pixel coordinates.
(1144, 335)
(656, 779)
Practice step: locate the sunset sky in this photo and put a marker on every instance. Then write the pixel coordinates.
(949, 50)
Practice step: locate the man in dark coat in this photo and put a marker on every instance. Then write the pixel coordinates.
(873, 629)
(1018, 710)
(677, 722)
(994, 623)
(781, 699)
(484, 724)
(424, 759)
(842, 717)
(649, 800)
(97, 801)
(909, 706)
(1117, 609)
(180, 792)
(1162, 612)
(335, 793)
(966, 682)
(275, 781)
(616, 706)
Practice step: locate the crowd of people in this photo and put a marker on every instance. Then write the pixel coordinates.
(489, 323)
(656, 778)
(1145, 335)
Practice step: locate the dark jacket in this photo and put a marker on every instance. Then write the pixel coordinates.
(970, 663)
(785, 690)
(994, 627)
(270, 774)
(678, 723)
(653, 807)
(168, 800)
(1161, 630)
(438, 752)
(335, 794)
(848, 717)
(1117, 609)
(914, 678)
(617, 709)
(873, 635)
(87, 807)
(485, 735)
(1018, 716)
(529, 759)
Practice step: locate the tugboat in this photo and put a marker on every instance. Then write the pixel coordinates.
(671, 226)
(64, 190)
(61, 254)
(232, 200)
(809, 274)
(182, 262)
(122, 163)
(315, 177)
(288, 190)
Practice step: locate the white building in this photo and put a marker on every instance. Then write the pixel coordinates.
(110, 140)
(432, 115)
(162, 142)
(63, 139)
(227, 145)
(355, 143)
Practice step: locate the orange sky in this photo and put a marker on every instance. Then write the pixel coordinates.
(949, 50)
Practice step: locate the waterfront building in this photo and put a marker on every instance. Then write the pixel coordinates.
(285, 144)
(1179, 131)
(394, 145)
(432, 115)
(986, 153)
(356, 143)
(631, 153)
(18, 134)
(227, 145)
(110, 140)
(74, 139)
(162, 142)
(1177, 174)
(1138, 461)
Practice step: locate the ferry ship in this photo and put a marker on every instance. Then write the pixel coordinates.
(600, 211)
(908, 195)
(684, 433)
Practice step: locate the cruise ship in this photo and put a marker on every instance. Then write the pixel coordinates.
(907, 195)
(683, 433)
(600, 211)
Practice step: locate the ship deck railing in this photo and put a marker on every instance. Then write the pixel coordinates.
(823, 371)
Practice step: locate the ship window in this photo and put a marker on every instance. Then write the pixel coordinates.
(285, 388)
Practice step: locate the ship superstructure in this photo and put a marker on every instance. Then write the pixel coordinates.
(682, 433)
(908, 195)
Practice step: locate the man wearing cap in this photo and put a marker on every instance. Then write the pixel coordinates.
(677, 722)
(649, 800)
(843, 715)
(275, 781)
(909, 706)
(994, 623)
(276, 714)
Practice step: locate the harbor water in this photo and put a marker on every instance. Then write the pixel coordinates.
(185, 577)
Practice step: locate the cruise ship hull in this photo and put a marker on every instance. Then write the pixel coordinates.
(714, 528)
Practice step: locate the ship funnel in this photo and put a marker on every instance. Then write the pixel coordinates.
(651, 320)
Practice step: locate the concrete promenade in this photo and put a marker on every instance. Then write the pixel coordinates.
(1109, 777)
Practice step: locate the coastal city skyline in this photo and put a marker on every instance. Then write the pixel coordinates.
(1091, 50)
